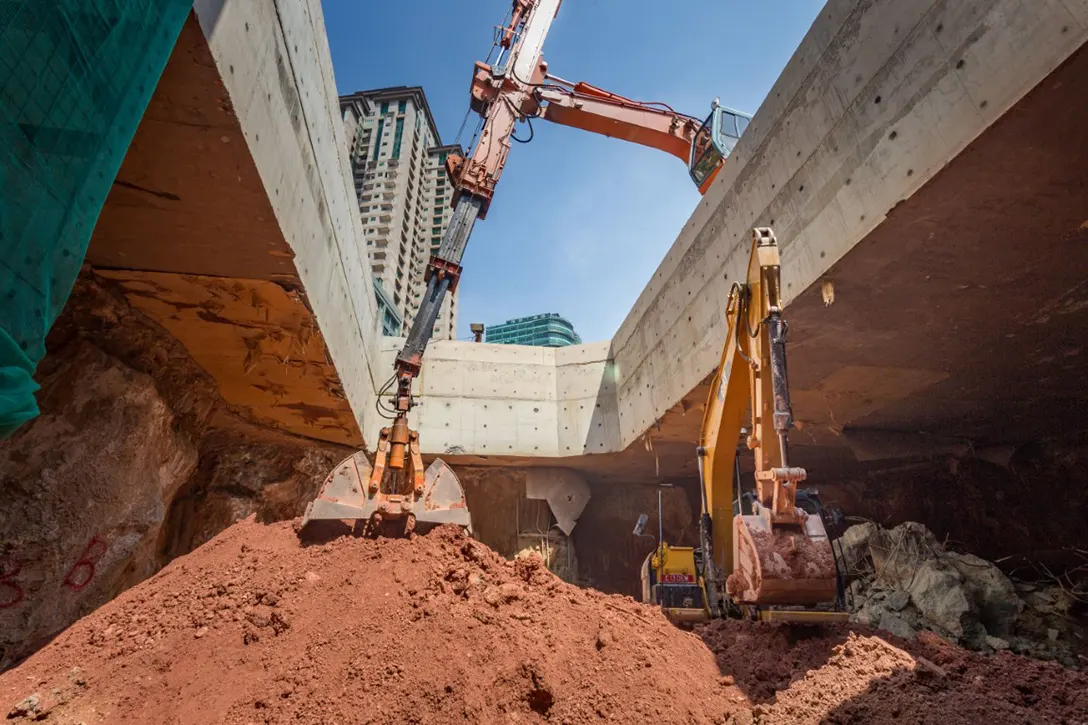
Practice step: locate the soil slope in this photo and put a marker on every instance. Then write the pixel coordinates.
(254, 628)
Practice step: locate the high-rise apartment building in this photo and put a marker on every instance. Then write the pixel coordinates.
(547, 330)
(398, 165)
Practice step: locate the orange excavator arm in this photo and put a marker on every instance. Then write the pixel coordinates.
(503, 101)
(592, 109)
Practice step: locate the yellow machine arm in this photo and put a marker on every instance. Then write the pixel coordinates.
(778, 555)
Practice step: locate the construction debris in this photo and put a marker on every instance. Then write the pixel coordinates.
(255, 628)
(903, 580)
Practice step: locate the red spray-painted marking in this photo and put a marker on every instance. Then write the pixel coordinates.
(82, 572)
(10, 591)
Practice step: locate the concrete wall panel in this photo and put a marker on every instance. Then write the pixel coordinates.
(878, 98)
(275, 63)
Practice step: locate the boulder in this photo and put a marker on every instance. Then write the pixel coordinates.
(86, 486)
(892, 622)
(992, 593)
(898, 552)
(938, 593)
(897, 600)
(853, 546)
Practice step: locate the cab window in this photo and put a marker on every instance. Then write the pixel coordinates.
(704, 154)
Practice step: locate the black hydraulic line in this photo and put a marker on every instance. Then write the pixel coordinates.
(783, 411)
(529, 121)
(711, 578)
(451, 250)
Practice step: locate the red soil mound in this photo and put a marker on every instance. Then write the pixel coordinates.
(254, 628)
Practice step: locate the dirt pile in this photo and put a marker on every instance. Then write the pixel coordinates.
(851, 675)
(253, 628)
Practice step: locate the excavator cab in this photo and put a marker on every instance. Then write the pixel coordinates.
(670, 579)
(713, 143)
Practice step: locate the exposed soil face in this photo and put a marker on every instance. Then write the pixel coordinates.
(255, 628)
(243, 470)
(135, 459)
(1031, 509)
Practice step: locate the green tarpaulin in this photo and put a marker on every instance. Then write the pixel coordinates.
(75, 79)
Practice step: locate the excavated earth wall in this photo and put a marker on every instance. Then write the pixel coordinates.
(134, 460)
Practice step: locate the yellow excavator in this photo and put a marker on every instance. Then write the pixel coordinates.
(764, 555)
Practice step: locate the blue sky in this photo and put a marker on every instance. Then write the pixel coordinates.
(579, 222)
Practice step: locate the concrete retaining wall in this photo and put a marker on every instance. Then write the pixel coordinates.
(274, 60)
(879, 97)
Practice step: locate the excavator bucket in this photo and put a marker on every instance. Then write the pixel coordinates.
(346, 502)
(781, 565)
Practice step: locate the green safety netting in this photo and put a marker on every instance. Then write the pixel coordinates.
(75, 78)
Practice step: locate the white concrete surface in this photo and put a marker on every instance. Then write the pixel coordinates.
(819, 163)
(273, 57)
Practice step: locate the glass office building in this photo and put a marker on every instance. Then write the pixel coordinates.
(392, 322)
(547, 330)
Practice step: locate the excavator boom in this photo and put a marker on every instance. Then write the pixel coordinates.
(395, 493)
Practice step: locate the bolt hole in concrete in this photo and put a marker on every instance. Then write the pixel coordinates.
(876, 100)
(893, 134)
